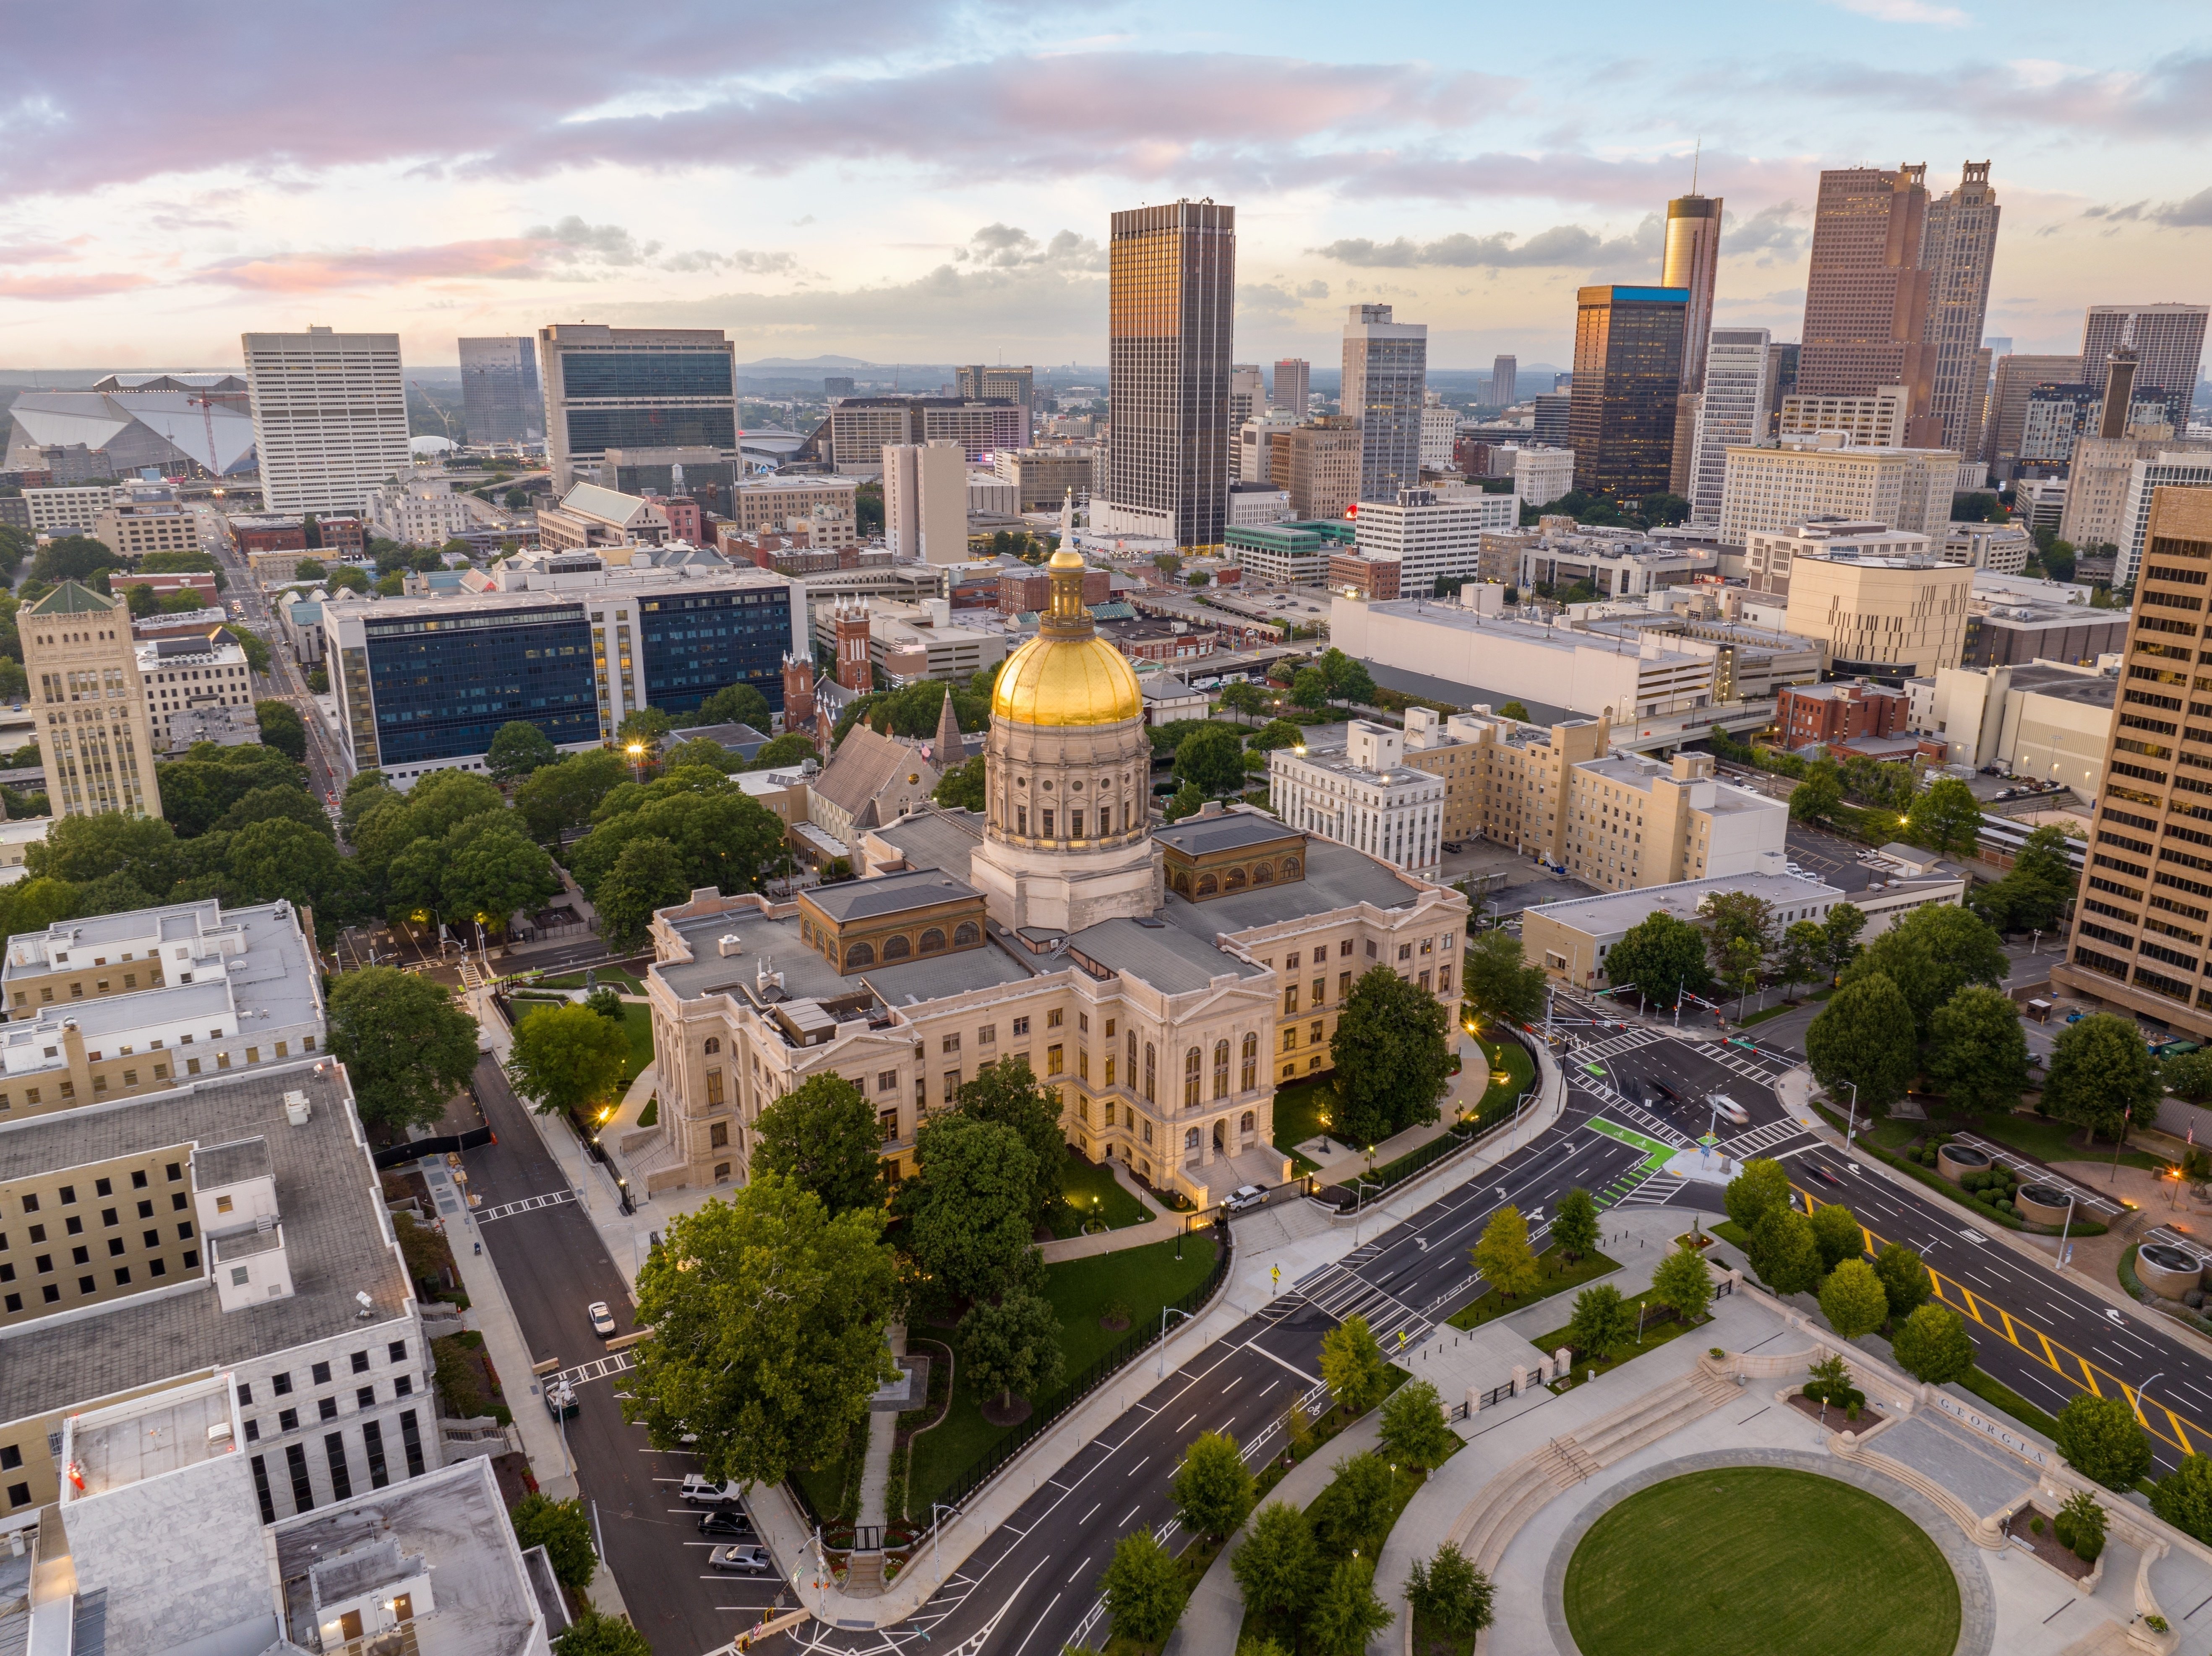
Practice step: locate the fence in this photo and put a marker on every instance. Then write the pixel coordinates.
(398, 1155)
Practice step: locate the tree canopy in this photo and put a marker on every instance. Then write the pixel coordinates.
(407, 1049)
(2102, 1077)
(1392, 1057)
(1662, 957)
(567, 1057)
(823, 1136)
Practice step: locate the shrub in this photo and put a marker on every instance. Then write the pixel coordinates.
(2102, 1440)
(2035, 1524)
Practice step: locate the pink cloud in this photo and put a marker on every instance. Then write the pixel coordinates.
(312, 273)
(63, 286)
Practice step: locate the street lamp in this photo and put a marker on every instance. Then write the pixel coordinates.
(636, 751)
(2142, 1392)
(1166, 1312)
(1851, 1127)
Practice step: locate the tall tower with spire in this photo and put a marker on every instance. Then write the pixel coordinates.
(1692, 260)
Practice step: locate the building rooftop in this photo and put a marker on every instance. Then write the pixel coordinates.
(1613, 912)
(889, 894)
(218, 1165)
(1637, 770)
(1170, 959)
(1336, 877)
(336, 1238)
(1199, 836)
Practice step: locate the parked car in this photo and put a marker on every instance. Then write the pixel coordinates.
(728, 1520)
(742, 1560)
(602, 1320)
(1243, 1197)
(700, 1490)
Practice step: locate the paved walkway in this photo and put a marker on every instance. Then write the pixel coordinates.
(1341, 1163)
(1162, 1227)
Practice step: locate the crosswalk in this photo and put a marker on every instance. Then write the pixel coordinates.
(1649, 1190)
(528, 1203)
(1757, 1141)
(1616, 1045)
(1752, 1066)
(2087, 1200)
(599, 1368)
(1338, 1293)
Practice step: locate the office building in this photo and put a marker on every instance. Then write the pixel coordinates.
(2140, 942)
(70, 509)
(1386, 365)
(1288, 554)
(2059, 418)
(419, 511)
(926, 502)
(1257, 442)
(1439, 432)
(1362, 795)
(2014, 620)
(1832, 714)
(1253, 504)
(2003, 549)
(564, 640)
(2168, 341)
(2172, 465)
(1171, 309)
(189, 676)
(1619, 563)
(632, 388)
(700, 474)
(1765, 488)
(1551, 419)
(1001, 384)
(1731, 411)
(910, 642)
(501, 401)
(824, 506)
(1044, 477)
(1540, 476)
(593, 519)
(2016, 378)
(1957, 250)
(95, 733)
(1781, 379)
(1248, 393)
(1504, 376)
(1435, 540)
(2130, 422)
(1628, 367)
(329, 416)
(1876, 420)
(1690, 261)
(1882, 604)
(143, 522)
(857, 430)
(1319, 465)
(1867, 293)
(1293, 384)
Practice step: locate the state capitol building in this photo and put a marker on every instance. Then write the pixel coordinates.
(1166, 980)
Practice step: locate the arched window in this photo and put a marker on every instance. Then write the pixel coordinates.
(932, 942)
(897, 948)
(1190, 1141)
(1181, 881)
(859, 955)
(965, 934)
(1221, 1068)
(1190, 1064)
(1207, 885)
(1244, 1122)
(1289, 868)
(713, 1045)
(1150, 1091)
(1263, 874)
(1234, 880)
(1249, 1076)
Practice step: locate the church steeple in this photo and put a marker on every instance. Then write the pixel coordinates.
(949, 750)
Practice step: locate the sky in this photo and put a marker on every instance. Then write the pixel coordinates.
(931, 180)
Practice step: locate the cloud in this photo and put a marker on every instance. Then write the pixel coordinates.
(1316, 290)
(1003, 247)
(751, 263)
(570, 251)
(2171, 97)
(605, 244)
(1562, 245)
(2193, 214)
(1907, 11)
(63, 286)
(1778, 228)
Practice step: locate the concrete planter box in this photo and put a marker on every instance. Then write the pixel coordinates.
(1955, 1162)
(2041, 1204)
(2167, 1271)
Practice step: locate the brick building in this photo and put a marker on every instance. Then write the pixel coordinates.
(1810, 713)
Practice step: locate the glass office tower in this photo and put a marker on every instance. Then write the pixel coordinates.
(1628, 376)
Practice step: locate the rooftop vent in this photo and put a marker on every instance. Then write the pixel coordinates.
(297, 1109)
(729, 943)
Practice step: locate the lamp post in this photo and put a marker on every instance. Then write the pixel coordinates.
(2142, 1392)
(1851, 1126)
(636, 751)
(2066, 1230)
(1166, 1312)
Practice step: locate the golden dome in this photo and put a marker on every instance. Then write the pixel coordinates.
(1066, 681)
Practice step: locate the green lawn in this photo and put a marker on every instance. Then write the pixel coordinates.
(1142, 1279)
(637, 1023)
(1756, 1558)
(1780, 1006)
(1089, 1193)
(1559, 1277)
(1301, 1113)
(2053, 1141)
(1513, 1059)
(603, 976)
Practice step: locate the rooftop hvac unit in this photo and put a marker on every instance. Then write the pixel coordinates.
(297, 1109)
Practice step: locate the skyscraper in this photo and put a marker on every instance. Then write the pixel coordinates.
(1781, 379)
(500, 399)
(329, 416)
(1866, 296)
(1957, 252)
(1628, 374)
(1248, 393)
(1171, 306)
(95, 724)
(1386, 369)
(2168, 341)
(1505, 372)
(1691, 261)
(2015, 378)
(1732, 409)
(1293, 380)
(636, 390)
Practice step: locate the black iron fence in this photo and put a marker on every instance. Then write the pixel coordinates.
(398, 1155)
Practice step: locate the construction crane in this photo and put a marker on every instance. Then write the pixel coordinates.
(443, 417)
(206, 406)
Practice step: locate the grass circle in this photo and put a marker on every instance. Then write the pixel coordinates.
(1760, 1558)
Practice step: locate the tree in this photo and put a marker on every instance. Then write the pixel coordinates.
(649, 726)
(1739, 928)
(1499, 981)
(1187, 801)
(2102, 1440)
(1503, 1257)
(1277, 1569)
(309, 569)
(561, 796)
(278, 856)
(1574, 1224)
(789, 751)
(1011, 1345)
(1683, 1283)
(493, 871)
(1844, 923)
(1945, 817)
(969, 1207)
(1347, 678)
(1762, 1185)
(1213, 1488)
(1345, 1613)
(1351, 1366)
(1818, 793)
(1931, 1345)
(823, 1136)
(1852, 1300)
(1804, 955)
(564, 1529)
(518, 748)
(2184, 1497)
(736, 704)
(1978, 1052)
(1603, 1323)
(962, 788)
(406, 1047)
(1904, 1280)
(1143, 1589)
(647, 876)
(281, 728)
(1309, 689)
(1863, 1037)
(1932, 954)
(1354, 1511)
(593, 1634)
(2101, 1077)
(1392, 1057)
(1784, 1252)
(1516, 710)
(2035, 891)
(1245, 701)
(1008, 1093)
(768, 1316)
(726, 839)
(1837, 1230)
(2187, 1074)
(1210, 758)
(1662, 955)
(1275, 733)
(1448, 1592)
(1414, 1430)
(567, 1057)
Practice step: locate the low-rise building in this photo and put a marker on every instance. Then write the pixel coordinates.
(1540, 476)
(1362, 795)
(910, 642)
(1434, 538)
(189, 675)
(1823, 714)
(1880, 602)
(2043, 718)
(1292, 553)
(418, 511)
(131, 528)
(1359, 577)
(1167, 700)
(1619, 562)
(1144, 639)
(824, 505)
(17, 835)
(589, 515)
(69, 508)
(2003, 549)
(1044, 477)
(2014, 620)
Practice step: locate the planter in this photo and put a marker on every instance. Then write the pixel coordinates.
(2169, 1272)
(1955, 1162)
(2041, 1204)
